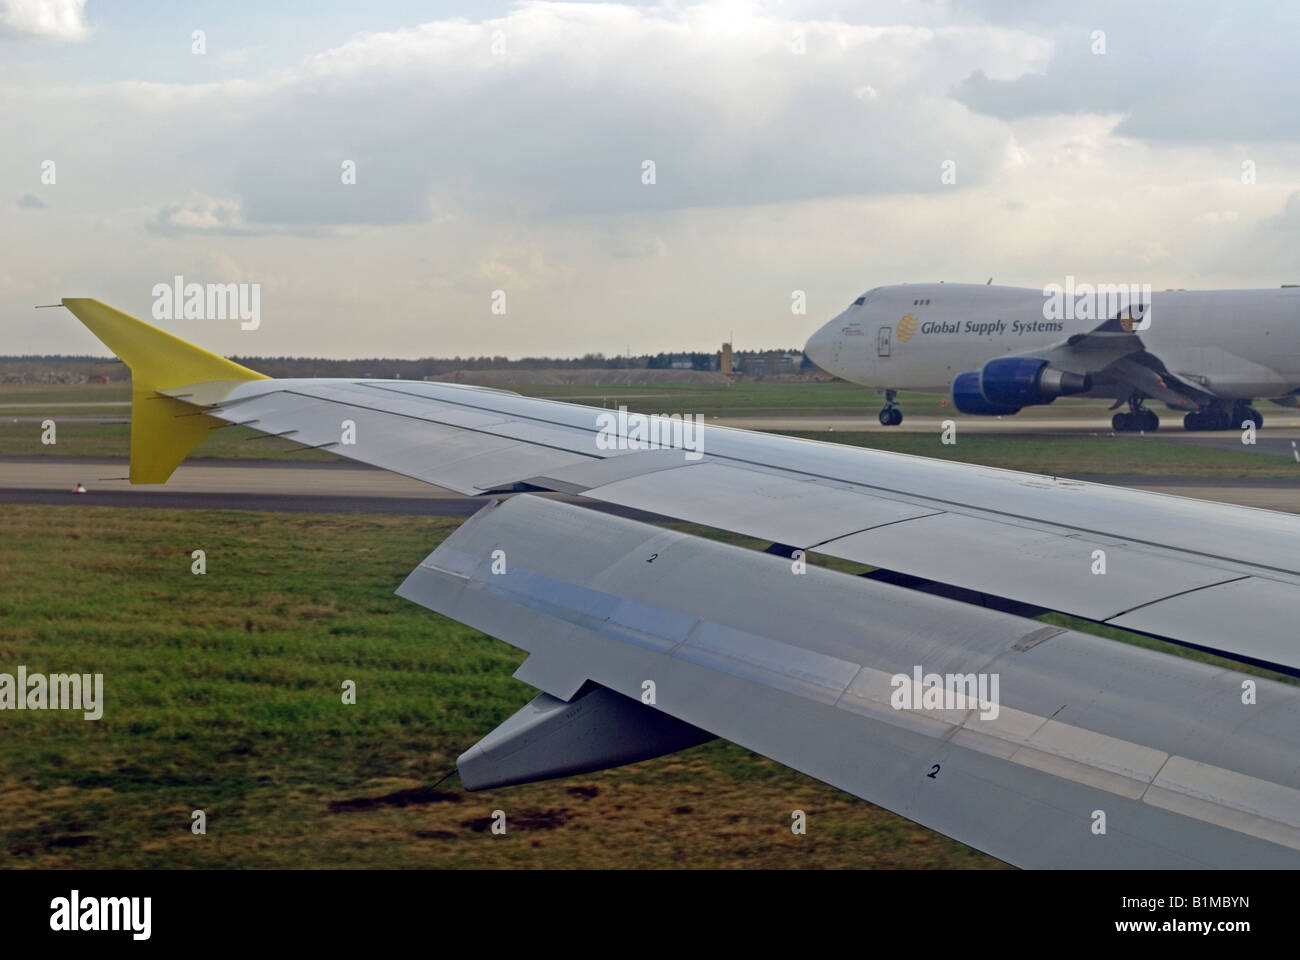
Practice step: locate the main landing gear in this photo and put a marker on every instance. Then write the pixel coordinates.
(890, 415)
(1219, 416)
(1137, 418)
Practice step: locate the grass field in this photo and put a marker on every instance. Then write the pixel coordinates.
(28, 393)
(114, 440)
(223, 694)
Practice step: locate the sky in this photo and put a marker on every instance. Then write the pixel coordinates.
(567, 178)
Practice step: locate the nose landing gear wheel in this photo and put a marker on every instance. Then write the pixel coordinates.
(890, 417)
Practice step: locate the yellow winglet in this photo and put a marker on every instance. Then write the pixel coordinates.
(163, 430)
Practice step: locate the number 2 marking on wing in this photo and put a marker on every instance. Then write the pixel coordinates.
(934, 772)
(653, 556)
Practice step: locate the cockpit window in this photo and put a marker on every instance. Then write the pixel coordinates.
(860, 301)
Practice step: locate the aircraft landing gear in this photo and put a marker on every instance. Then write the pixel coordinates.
(1220, 417)
(1137, 418)
(1243, 411)
(890, 415)
(1212, 418)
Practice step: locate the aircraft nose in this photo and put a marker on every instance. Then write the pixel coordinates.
(818, 347)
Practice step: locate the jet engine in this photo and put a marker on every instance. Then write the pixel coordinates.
(1009, 383)
(967, 398)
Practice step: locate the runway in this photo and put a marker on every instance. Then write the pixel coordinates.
(816, 423)
(301, 486)
(251, 477)
(1285, 427)
(268, 485)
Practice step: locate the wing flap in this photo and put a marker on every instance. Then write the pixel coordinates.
(1252, 615)
(786, 509)
(1084, 576)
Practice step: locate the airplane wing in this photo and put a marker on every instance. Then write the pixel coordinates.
(920, 687)
(1116, 359)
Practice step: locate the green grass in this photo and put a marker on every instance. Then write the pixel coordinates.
(114, 440)
(223, 694)
(64, 392)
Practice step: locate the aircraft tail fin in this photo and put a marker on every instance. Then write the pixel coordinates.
(164, 429)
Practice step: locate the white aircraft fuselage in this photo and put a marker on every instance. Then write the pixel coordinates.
(1213, 347)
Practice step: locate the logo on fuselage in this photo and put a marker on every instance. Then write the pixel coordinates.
(906, 328)
(1132, 319)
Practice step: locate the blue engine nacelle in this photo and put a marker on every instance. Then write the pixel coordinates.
(1009, 383)
(967, 398)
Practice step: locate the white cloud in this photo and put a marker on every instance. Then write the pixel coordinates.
(199, 213)
(1174, 72)
(518, 267)
(561, 123)
(47, 19)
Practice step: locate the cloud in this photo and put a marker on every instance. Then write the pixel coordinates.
(199, 213)
(563, 120)
(1173, 73)
(47, 19)
(519, 267)
(560, 120)
(29, 201)
(1289, 218)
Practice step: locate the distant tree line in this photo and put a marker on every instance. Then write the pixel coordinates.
(774, 361)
